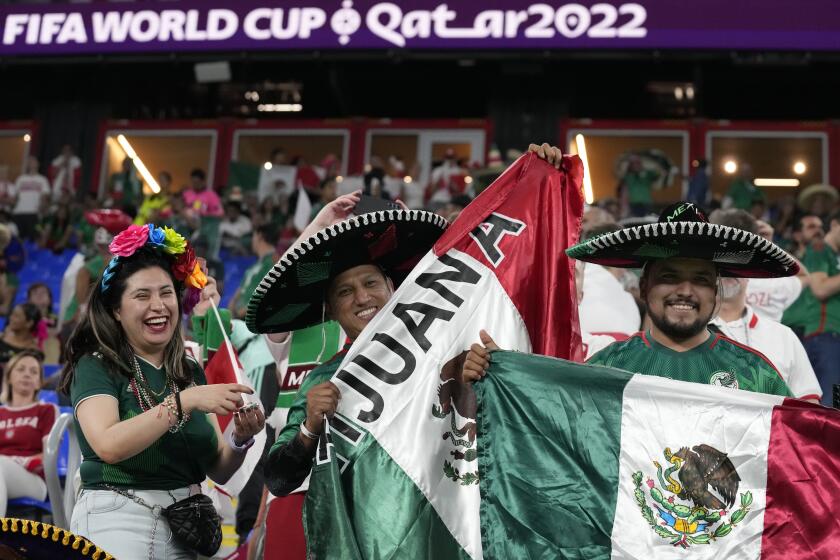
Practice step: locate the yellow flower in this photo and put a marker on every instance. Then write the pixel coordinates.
(174, 243)
(197, 278)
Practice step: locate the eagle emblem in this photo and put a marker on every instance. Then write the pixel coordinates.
(706, 482)
(456, 399)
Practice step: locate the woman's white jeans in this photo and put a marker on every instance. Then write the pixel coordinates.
(17, 482)
(126, 529)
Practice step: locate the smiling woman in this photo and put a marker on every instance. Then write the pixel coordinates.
(149, 434)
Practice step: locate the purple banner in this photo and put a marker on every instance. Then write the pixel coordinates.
(192, 25)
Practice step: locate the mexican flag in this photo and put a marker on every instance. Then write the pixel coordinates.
(399, 476)
(582, 461)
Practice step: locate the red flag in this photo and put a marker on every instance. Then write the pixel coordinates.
(220, 369)
(520, 227)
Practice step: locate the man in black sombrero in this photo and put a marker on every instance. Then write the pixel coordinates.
(682, 256)
(346, 272)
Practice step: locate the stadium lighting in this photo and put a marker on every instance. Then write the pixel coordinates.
(588, 195)
(766, 182)
(468, 180)
(27, 137)
(338, 178)
(407, 179)
(800, 168)
(267, 165)
(279, 107)
(138, 163)
(730, 166)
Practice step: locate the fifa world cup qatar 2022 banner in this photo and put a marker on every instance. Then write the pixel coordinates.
(215, 25)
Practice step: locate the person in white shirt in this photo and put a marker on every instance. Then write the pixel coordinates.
(31, 189)
(778, 343)
(606, 308)
(769, 297)
(66, 173)
(592, 342)
(235, 228)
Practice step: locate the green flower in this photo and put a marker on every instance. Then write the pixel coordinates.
(174, 242)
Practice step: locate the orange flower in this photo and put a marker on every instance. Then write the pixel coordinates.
(197, 278)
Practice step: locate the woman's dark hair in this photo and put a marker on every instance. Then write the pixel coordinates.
(31, 313)
(99, 331)
(34, 286)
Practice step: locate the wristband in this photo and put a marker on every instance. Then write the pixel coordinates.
(306, 433)
(240, 448)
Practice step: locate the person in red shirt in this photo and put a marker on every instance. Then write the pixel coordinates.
(24, 421)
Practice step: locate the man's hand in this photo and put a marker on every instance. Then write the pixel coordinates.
(337, 210)
(320, 400)
(551, 154)
(478, 358)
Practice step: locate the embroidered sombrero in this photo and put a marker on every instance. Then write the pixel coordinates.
(683, 231)
(22, 538)
(291, 295)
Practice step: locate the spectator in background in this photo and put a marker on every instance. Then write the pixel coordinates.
(87, 276)
(606, 307)
(125, 186)
(742, 191)
(817, 310)
(204, 203)
(32, 188)
(22, 332)
(271, 180)
(200, 199)
(698, 185)
(9, 281)
(638, 182)
(768, 297)
(328, 192)
(235, 229)
(8, 192)
(374, 178)
(819, 200)
(65, 173)
(25, 423)
(40, 295)
(263, 243)
(57, 231)
(181, 218)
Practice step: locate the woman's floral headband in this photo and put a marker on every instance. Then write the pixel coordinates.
(185, 266)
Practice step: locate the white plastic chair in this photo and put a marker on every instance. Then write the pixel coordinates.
(62, 499)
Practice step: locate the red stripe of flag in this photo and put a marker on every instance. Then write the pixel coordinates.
(803, 483)
(534, 271)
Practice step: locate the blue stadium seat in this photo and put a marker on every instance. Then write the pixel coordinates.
(51, 369)
(48, 396)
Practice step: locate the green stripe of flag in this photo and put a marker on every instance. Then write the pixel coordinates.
(568, 512)
(392, 514)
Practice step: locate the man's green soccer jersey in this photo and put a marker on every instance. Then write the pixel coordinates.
(718, 361)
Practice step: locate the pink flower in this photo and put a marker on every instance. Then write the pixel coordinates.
(670, 499)
(650, 483)
(129, 240)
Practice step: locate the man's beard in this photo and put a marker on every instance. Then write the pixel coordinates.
(679, 331)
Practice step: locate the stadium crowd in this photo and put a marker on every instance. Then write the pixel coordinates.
(793, 321)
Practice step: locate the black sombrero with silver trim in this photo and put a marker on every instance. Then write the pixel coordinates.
(683, 231)
(291, 295)
(32, 540)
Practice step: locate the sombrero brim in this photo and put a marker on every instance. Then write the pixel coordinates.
(22, 538)
(291, 295)
(737, 253)
(809, 192)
